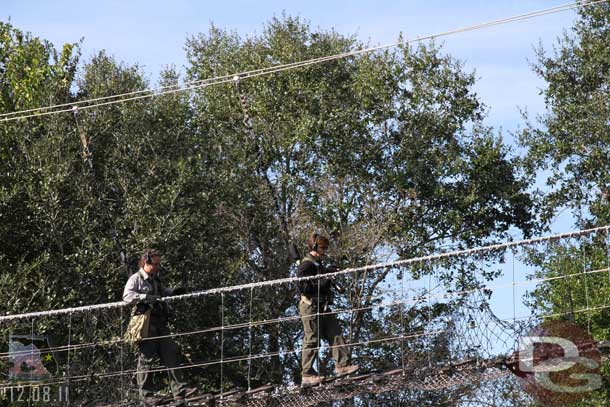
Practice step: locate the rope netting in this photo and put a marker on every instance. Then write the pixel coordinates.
(436, 326)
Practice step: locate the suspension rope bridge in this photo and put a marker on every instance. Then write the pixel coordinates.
(442, 339)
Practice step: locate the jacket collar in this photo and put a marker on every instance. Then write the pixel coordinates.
(314, 260)
(144, 274)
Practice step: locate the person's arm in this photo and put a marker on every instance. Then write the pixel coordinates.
(169, 291)
(130, 293)
(309, 288)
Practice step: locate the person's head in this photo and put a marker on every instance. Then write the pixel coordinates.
(150, 260)
(317, 244)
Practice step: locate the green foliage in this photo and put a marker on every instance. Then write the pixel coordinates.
(571, 144)
(573, 140)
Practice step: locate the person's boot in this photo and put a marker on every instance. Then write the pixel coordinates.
(151, 401)
(311, 379)
(347, 370)
(186, 393)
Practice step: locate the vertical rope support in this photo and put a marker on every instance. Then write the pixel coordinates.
(222, 342)
(31, 352)
(68, 357)
(586, 284)
(514, 291)
(122, 355)
(516, 341)
(402, 322)
(608, 253)
(318, 331)
(429, 312)
(31, 358)
(250, 342)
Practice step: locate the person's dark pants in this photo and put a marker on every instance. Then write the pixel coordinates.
(329, 329)
(166, 350)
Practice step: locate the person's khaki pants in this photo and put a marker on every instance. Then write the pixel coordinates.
(316, 327)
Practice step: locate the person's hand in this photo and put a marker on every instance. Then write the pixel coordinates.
(151, 298)
(179, 291)
(332, 269)
(339, 287)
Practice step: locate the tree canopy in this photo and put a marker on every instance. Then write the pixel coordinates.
(570, 143)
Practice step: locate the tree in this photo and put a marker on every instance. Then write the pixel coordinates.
(571, 143)
(68, 213)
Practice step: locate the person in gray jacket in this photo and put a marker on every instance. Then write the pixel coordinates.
(144, 290)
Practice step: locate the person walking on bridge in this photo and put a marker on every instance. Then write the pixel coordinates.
(316, 299)
(148, 328)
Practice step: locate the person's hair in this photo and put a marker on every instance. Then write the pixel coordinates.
(148, 253)
(316, 239)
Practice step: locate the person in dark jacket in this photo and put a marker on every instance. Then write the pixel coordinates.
(144, 289)
(315, 299)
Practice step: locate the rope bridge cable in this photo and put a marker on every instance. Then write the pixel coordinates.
(430, 382)
(235, 359)
(249, 324)
(142, 94)
(453, 374)
(293, 318)
(241, 358)
(473, 338)
(269, 283)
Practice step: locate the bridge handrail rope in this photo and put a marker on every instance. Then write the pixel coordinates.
(141, 94)
(269, 283)
(279, 353)
(242, 325)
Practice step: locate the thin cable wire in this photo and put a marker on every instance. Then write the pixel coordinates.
(514, 293)
(414, 260)
(414, 301)
(234, 359)
(608, 252)
(19, 115)
(250, 340)
(586, 284)
(402, 321)
(121, 323)
(429, 313)
(68, 355)
(318, 333)
(222, 342)
(31, 358)
(32, 347)
(279, 353)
